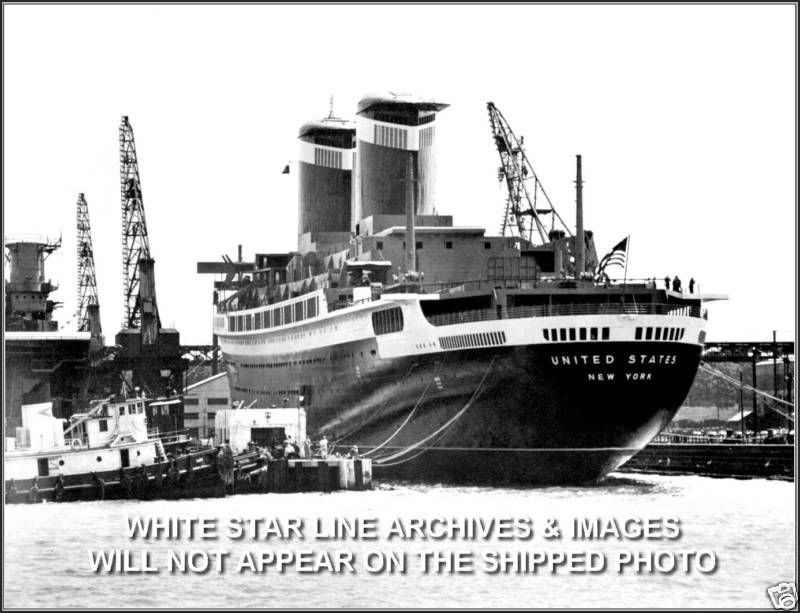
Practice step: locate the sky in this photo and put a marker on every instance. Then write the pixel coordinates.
(685, 117)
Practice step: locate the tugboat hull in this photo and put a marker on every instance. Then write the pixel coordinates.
(154, 481)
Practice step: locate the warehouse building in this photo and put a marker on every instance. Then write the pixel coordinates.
(201, 403)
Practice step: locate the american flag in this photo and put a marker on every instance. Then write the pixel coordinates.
(615, 257)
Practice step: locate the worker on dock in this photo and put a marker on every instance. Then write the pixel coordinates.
(11, 489)
(666, 281)
(100, 486)
(353, 454)
(307, 448)
(58, 490)
(691, 285)
(33, 493)
(125, 483)
(288, 450)
(323, 447)
(225, 463)
(264, 455)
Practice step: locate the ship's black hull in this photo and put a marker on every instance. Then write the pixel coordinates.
(538, 414)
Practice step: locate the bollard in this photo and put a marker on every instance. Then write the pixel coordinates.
(280, 475)
(324, 477)
(359, 474)
(297, 477)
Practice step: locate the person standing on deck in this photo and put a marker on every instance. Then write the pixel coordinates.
(323, 447)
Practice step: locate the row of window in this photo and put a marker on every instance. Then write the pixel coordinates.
(419, 245)
(283, 393)
(336, 357)
(279, 316)
(194, 400)
(426, 137)
(341, 140)
(660, 334)
(268, 365)
(134, 408)
(326, 157)
(282, 364)
(466, 341)
(576, 334)
(404, 118)
(387, 321)
(210, 415)
(391, 137)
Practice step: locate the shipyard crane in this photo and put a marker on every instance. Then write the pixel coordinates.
(148, 356)
(139, 297)
(528, 204)
(88, 311)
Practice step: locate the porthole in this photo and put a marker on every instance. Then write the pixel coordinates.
(99, 459)
(61, 462)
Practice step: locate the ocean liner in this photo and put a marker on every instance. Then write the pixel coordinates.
(440, 352)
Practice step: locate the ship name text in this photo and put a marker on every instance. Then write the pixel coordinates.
(608, 359)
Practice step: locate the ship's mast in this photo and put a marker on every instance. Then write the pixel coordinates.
(580, 246)
(527, 205)
(88, 312)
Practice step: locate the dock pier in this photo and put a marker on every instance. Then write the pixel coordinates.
(304, 475)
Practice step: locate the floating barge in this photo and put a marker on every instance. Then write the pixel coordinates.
(715, 460)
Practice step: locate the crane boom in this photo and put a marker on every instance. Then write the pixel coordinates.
(87, 314)
(526, 206)
(139, 300)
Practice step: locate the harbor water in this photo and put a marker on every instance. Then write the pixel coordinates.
(749, 525)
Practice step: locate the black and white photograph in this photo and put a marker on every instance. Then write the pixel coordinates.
(405, 306)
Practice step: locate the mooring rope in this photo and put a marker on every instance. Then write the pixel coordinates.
(445, 426)
(411, 413)
(413, 457)
(383, 406)
(738, 384)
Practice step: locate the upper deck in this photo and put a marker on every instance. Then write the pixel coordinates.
(471, 302)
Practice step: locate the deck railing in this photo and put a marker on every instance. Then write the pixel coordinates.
(720, 438)
(448, 319)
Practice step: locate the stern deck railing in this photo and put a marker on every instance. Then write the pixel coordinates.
(448, 319)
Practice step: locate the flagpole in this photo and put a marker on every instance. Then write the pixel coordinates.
(627, 253)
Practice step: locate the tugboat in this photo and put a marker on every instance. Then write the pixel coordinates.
(106, 452)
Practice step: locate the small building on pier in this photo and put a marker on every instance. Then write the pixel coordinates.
(201, 402)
